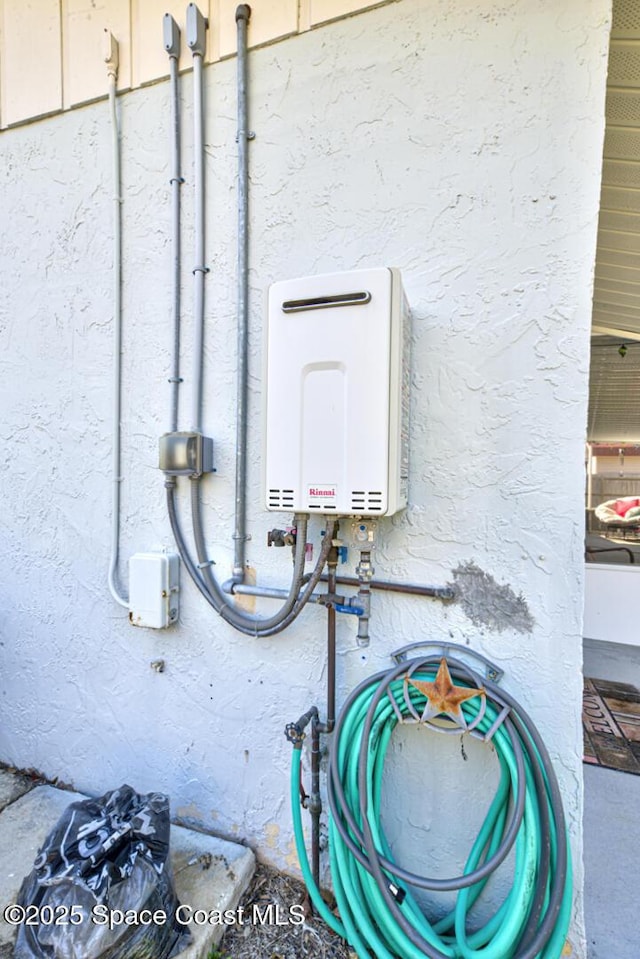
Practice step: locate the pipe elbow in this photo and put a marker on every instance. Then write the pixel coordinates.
(229, 585)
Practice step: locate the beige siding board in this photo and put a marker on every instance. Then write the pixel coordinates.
(304, 15)
(61, 43)
(322, 10)
(2, 122)
(150, 60)
(270, 20)
(83, 26)
(30, 59)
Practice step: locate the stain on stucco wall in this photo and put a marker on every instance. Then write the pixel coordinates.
(489, 603)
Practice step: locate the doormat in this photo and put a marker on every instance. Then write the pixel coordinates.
(611, 725)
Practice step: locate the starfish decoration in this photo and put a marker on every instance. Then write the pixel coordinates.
(443, 697)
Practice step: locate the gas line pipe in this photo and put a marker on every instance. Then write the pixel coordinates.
(295, 732)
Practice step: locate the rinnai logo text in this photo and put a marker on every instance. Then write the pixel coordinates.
(320, 491)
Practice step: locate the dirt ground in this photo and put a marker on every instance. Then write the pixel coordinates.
(311, 938)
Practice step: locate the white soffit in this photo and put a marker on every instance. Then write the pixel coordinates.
(616, 300)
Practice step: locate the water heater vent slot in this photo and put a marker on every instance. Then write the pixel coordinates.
(281, 499)
(322, 302)
(366, 500)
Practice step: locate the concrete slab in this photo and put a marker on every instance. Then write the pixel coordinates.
(611, 841)
(214, 885)
(210, 874)
(12, 786)
(24, 826)
(612, 661)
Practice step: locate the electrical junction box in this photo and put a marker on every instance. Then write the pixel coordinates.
(337, 394)
(154, 583)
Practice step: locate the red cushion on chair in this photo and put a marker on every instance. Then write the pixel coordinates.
(622, 506)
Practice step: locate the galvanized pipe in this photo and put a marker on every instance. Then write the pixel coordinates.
(199, 269)
(204, 579)
(314, 803)
(413, 589)
(328, 725)
(365, 572)
(267, 592)
(113, 574)
(172, 44)
(243, 13)
(444, 593)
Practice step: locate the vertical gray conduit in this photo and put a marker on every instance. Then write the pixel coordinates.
(112, 74)
(243, 13)
(171, 34)
(196, 34)
(201, 573)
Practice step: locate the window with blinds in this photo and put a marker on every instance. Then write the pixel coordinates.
(614, 392)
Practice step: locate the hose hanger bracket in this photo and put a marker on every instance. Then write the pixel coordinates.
(443, 699)
(491, 671)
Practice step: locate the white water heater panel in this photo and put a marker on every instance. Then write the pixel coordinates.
(337, 394)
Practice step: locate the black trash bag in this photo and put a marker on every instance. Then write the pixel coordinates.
(101, 884)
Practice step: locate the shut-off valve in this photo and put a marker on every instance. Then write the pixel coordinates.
(281, 537)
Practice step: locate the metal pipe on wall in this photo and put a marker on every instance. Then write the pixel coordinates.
(111, 60)
(413, 589)
(249, 624)
(297, 597)
(243, 13)
(445, 593)
(196, 39)
(172, 46)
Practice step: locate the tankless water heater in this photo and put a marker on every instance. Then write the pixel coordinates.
(337, 394)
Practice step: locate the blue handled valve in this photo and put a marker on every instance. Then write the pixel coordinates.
(351, 610)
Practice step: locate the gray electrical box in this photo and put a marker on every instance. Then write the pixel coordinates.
(196, 30)
(186, 454)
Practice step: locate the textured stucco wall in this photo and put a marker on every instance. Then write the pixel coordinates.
(459, 142)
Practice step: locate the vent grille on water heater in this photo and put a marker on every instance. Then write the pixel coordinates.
(369, 501)
(281, 499)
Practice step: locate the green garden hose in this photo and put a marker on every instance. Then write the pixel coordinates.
(379, 915)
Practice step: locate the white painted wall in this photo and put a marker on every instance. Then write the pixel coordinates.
(610, 607)
(459, 142)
